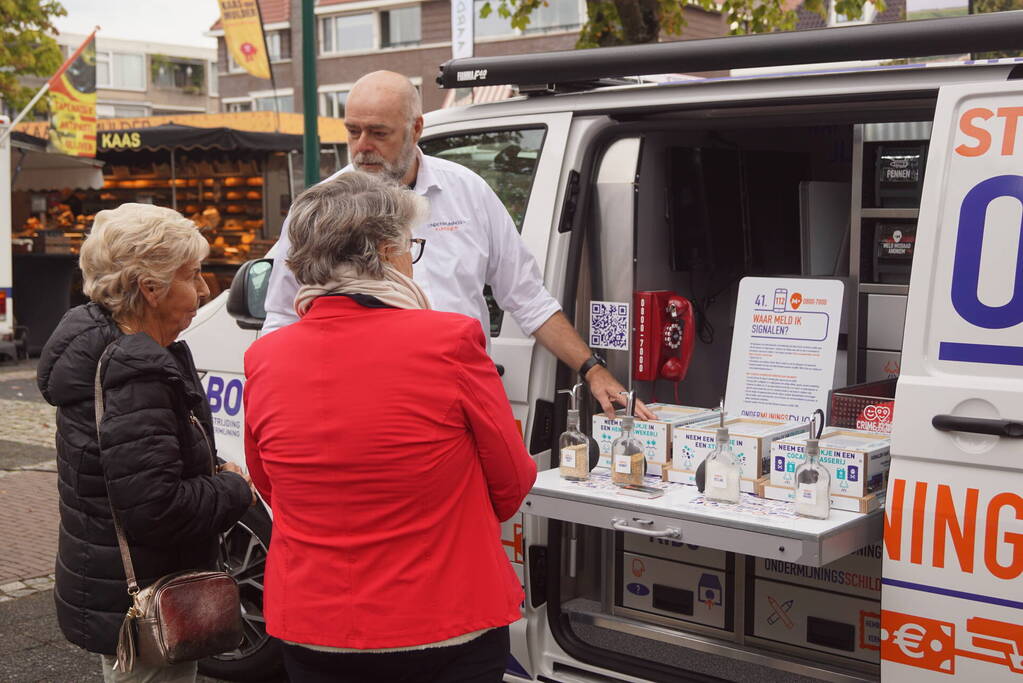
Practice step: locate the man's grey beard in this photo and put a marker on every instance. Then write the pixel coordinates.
(394, 171)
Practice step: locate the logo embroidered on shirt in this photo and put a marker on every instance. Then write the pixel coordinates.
(446, 226)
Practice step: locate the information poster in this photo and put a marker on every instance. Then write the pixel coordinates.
(783, 347)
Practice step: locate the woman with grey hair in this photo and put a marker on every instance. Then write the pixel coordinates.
(157, 466)
(379, 433)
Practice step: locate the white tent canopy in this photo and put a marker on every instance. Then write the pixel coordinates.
(33, 168)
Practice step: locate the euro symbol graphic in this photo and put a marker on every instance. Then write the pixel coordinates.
(909, 638)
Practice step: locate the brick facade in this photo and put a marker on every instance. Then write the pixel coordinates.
(418, 63)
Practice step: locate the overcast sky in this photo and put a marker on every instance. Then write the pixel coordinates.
(178, 22)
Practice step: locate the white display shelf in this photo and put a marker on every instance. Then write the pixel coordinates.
(754, 526)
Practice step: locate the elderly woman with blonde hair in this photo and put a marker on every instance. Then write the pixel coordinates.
(379, 432)
(157, 466)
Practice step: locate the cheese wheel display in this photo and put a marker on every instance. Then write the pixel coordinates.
(255, 181)
(234, 181)
(233, 195)
(253, 194)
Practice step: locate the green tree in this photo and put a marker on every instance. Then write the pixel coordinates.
(627, 22)
(27, 47)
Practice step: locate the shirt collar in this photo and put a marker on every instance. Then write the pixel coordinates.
(427, 177)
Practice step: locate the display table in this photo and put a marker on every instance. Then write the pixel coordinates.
(754, 526)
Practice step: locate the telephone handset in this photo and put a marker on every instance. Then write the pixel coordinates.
(664, 337)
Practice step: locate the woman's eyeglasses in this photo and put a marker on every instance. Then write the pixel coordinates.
(418, 245)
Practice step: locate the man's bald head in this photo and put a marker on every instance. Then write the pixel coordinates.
(383, 117)
(390, 89)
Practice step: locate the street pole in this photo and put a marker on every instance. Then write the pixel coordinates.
(311, 141)
(6, 263)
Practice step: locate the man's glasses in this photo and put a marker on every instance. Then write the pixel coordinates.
(417, 248)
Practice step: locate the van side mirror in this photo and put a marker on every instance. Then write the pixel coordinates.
(247, 298)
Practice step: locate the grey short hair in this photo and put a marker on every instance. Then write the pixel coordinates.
(350, 219)
(413, 103)
(135, 245)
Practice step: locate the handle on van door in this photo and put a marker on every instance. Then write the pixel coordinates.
(1010, 429)
(623, 525)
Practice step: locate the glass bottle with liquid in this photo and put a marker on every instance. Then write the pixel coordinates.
(573, 445)
(628, 463)
(813, 484)
(722, 470)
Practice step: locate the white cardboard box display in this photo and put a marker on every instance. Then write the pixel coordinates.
(819, 620)
(858, 573)
(655, 435)
(750, 439)
(675, 589)
(861, 504)
(858, 461)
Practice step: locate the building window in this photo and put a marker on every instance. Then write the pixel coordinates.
(494, 24)
(120, 70)
(400, 27)
(278, 45)
(333, 103)
(837, 19)
(556, 15)
(176, 74)
(233, 107)
(347, 33)
(285, 102)
(120, 111)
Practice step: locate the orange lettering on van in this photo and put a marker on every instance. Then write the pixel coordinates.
(982, 137)
(994, 508)
(916, 540)
(893, 523)
(946, 523)
(1011, 116)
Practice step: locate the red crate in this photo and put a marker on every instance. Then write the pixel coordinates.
(869, 406)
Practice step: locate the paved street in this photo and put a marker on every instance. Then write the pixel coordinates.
(32, 648)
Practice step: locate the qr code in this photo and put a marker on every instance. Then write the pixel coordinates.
(609, 325)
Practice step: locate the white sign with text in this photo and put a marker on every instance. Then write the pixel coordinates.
(783, 347)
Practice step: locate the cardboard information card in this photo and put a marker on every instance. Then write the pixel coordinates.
(783, 347)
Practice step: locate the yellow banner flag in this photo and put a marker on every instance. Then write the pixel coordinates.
(243, 31)
(73, 104)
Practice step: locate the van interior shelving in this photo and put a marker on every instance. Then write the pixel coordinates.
(719, 195)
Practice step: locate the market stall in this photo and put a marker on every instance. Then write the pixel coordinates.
(44, 271)
(232, 183)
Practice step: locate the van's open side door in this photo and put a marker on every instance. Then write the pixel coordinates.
(952, 598)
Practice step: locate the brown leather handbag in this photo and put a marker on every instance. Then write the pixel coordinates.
(181, 617)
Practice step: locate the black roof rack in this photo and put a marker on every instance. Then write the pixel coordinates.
(571, 69)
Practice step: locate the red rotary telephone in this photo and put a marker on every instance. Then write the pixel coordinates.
(663, 337)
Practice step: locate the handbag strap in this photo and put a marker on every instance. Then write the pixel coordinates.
(122, 542)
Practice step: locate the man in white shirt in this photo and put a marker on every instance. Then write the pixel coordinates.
(472, 240)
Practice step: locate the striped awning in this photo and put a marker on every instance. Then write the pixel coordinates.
(461, 97)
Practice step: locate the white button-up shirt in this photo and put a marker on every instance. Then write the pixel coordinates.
(470, 241)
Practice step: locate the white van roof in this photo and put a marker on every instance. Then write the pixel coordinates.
(902, 81)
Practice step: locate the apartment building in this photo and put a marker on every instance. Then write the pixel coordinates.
(412, 37)
(139, 78)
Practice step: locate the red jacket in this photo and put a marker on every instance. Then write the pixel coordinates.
(385, 445)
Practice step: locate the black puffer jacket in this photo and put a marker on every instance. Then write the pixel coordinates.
(155, 468)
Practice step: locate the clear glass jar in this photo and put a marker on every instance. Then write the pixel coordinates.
(722, 470)
(813, 484)
(628, 463)
(574, 451)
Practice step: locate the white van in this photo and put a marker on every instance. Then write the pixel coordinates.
(689, 187)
